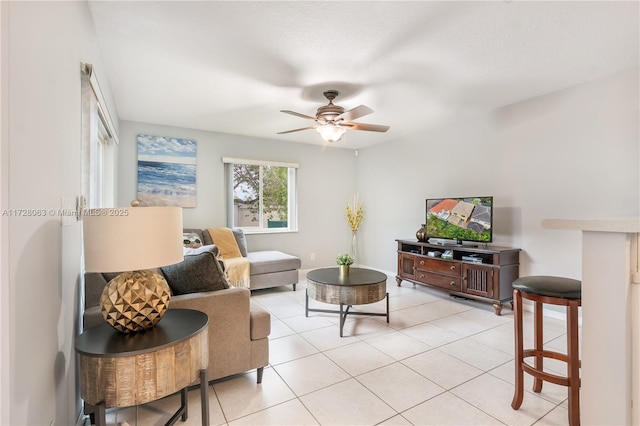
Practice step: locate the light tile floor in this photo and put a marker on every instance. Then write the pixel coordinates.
(439, 361)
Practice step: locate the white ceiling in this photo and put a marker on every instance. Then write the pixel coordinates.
(232, 66)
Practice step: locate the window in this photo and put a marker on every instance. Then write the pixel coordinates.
(98, 145)
(261, 195)
(103, 175)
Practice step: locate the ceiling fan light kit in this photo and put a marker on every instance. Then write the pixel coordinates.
(331, 132)
(333, 121)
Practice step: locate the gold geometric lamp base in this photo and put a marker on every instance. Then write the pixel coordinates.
(135, 301)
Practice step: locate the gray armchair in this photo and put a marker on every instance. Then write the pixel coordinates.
(238, 334)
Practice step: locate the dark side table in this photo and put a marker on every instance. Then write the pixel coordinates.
(362, 286)
(122, 370)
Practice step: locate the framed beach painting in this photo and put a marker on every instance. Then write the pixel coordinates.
(166, 171)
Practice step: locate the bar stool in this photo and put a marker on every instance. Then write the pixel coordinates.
(555, 291)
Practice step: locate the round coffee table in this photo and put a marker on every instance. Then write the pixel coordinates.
(360, 287)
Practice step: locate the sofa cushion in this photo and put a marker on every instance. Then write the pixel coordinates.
(204, 235)
(199, 271)
(238, 234)
(264, 262)
(191, 239)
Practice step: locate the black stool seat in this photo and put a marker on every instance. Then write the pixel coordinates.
(564, 288)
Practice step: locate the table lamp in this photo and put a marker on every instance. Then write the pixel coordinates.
(133, 240)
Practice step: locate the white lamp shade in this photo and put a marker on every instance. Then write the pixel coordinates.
(131, 239)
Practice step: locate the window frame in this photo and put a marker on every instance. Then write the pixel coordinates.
(292, 195)
(99, 141)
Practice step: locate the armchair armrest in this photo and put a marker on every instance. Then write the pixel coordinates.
(228, 307)
(229, 337)
(260, 322)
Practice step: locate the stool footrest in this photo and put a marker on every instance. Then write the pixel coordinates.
(544, 353)
(547, 377)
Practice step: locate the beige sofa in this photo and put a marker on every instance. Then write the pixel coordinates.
(269, 268)
(238, 329)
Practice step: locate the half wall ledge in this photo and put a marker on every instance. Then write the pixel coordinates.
(610, 318)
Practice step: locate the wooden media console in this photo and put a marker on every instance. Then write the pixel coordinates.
(483, 273)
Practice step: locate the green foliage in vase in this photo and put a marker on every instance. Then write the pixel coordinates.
(344, 259)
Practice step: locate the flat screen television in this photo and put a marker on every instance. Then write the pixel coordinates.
(460, 219)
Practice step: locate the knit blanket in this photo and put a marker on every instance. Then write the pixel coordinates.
(237, 267)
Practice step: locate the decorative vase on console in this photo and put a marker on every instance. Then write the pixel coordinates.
(421, 235)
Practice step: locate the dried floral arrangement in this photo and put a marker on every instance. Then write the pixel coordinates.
(355, 213)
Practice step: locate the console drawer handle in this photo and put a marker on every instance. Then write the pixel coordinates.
(422, 262)
(452, 283)
(421, 275)
(453, 268)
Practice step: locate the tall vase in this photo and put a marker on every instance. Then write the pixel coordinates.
(354, 246)
(421, 235)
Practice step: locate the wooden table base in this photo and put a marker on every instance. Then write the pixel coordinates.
(360, 287)
(99, 416)
(344, 312)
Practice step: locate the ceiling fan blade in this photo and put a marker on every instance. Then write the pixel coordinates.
(369, 127)
(352, 114)
(296, 130)
(297, 114)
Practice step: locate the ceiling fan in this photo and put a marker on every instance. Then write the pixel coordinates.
(333, 121)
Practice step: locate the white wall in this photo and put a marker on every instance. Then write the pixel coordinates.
(326, 182)
(569, 154)
(5, 365)
(47, 41)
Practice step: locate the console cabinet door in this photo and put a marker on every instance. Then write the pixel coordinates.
(480, 280)
(406, 265)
